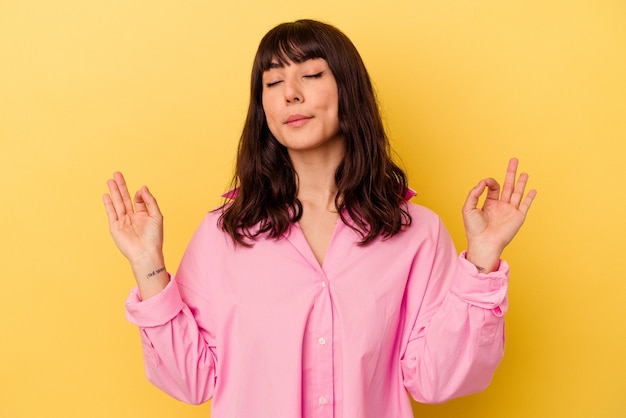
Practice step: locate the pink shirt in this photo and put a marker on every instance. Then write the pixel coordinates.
(268, 332)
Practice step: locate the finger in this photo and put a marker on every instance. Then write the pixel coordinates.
(528, 200)
(121, 185)
(518, 193)
(110, 209)
(140, 204)
(493, 189)
(116, 198)
(474, 196)
(509, 180)
(151, 204)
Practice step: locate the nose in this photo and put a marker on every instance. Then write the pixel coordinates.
(293, 93)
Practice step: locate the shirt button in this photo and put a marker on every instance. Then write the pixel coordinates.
(323, 284)
(322, 341)
(323, 400)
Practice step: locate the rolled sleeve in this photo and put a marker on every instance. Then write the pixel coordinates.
(156, 311)
(488, 291)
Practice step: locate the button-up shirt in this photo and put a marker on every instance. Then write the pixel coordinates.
(267, 331)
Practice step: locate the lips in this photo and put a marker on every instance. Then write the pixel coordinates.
(297, 120)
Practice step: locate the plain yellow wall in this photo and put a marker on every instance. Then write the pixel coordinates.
(158, 89)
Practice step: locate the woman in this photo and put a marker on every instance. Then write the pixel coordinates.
(318, 289)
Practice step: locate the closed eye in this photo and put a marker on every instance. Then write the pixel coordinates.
(317, 75)
(273, 83)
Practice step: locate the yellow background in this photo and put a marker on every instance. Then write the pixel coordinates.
(158, 90)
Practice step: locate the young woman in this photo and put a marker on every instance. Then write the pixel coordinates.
(318, 290)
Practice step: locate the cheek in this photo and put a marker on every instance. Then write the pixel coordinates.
(332, 100)
(267, 109)
(333, 106)
(270, 119)
(267, 112)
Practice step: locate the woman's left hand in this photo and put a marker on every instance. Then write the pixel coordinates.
(491, 228)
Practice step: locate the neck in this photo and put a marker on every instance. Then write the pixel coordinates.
(316, 177)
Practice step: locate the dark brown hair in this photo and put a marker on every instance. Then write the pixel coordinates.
(371, 187)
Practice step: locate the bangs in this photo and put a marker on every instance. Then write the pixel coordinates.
(289, 42)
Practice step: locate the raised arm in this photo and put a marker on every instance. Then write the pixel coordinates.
(491, 228)
(138, 232)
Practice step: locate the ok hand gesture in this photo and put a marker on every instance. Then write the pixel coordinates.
(491, 228)
(138, 233)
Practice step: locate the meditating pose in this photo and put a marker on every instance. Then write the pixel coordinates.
(317, 289)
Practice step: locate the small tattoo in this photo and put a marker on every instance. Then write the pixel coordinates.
(155, 272)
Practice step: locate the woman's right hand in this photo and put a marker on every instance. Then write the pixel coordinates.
(138, 233)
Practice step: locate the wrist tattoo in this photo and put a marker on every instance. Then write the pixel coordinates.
(155, 272)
